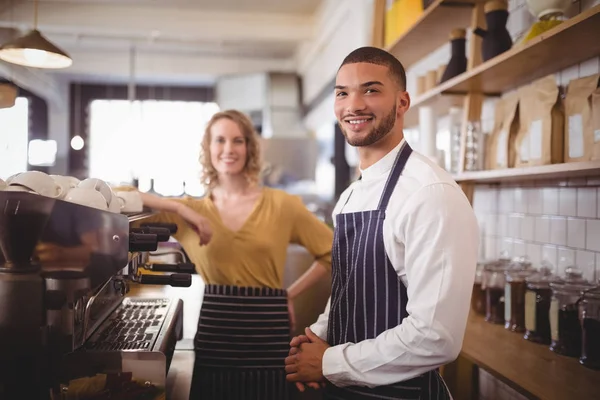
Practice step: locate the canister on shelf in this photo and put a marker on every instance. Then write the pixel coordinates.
(565, 326)
(479, 286)
(590, 321)
(537, 305)
(514, 294)
(494, 291)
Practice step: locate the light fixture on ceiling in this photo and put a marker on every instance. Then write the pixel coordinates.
(34, 50)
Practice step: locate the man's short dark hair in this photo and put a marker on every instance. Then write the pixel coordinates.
(374, 55)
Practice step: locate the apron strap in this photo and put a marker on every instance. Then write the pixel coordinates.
(397, 169)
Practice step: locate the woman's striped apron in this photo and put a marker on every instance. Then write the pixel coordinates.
(368, 297)
(242, 340)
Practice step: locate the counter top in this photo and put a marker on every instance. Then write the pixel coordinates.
(529, 368)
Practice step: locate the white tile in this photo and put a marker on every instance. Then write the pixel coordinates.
(592, 235)
(528, 228)
(519, 248)
(586, 261)
(491, 224)
(566, 258)
(569, 73)
(534, 252)
(567, 202)
(502, 225)
(550, 201)
(534, 201)
(587, 202)
(520, 200)
(490, 248)
(550, 254)
(598, 205)
(589, 67)
(506, 200)
(505, 245)
(542, 229)
(576, 233)
(558, 231)
(514, 225)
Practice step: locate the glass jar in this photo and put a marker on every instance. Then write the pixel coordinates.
(494, 293)
(590, 321)
(538, 297)
(478, 295)
(514, 294)
(565, 327)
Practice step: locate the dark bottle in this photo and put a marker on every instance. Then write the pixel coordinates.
(496, 39)
(458, 59)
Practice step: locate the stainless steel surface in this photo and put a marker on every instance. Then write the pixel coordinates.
(61, 236)
(64, 269)
(138, 337)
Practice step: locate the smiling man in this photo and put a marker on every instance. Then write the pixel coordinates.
(404, 254)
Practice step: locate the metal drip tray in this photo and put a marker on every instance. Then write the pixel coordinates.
(134, 325)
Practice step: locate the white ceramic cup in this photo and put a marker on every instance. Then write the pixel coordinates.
(18, 188)
(131, 201)
(38, 182)
(99, 185)
(87, 197)
(66, 183)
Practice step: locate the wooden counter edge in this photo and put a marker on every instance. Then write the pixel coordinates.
(547, 375)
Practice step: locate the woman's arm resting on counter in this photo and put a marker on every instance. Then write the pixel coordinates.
(199, 223)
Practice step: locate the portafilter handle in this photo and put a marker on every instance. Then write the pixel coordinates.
(171, 227)
(188, 268)
(162, 234)
(139, 242)
(175, 280)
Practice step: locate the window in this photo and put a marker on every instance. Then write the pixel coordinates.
(14, 135)
(153, 141)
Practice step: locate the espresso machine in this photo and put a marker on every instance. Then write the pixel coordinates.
(65, 271)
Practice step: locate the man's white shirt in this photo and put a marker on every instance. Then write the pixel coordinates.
(431, 237)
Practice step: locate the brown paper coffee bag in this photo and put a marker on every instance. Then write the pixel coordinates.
(579, 136)
(596, 124)
(490, 148)
(540, 140)
(502, 146)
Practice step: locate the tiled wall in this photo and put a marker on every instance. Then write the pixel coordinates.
(554, 220)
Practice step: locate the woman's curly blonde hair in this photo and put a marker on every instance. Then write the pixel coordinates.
(253, 167)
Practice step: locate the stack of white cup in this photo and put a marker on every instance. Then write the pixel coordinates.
(91, 192)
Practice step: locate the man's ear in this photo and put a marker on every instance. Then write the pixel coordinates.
(403, 101)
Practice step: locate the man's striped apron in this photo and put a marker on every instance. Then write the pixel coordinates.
(368, 297)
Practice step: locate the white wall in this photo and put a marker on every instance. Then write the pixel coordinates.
(341, 27)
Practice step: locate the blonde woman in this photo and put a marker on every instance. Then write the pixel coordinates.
(238, 236)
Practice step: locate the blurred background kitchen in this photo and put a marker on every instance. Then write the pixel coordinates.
(147, 75)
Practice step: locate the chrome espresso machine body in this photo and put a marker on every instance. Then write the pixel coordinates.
(65, 270)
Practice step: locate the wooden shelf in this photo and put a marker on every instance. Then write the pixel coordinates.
(552, 171)
(567, 44)
(431, 30)
(528, 367)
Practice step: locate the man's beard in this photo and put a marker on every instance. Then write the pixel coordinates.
(376, 134)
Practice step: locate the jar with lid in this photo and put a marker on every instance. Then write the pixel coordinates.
(478, 295)
(565, 327)
(514, 294)
(590, 321)
(538, 296)
(494, 292)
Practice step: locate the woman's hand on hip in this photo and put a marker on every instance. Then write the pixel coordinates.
(198, 223)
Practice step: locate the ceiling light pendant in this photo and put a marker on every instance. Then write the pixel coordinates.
(34, 50)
